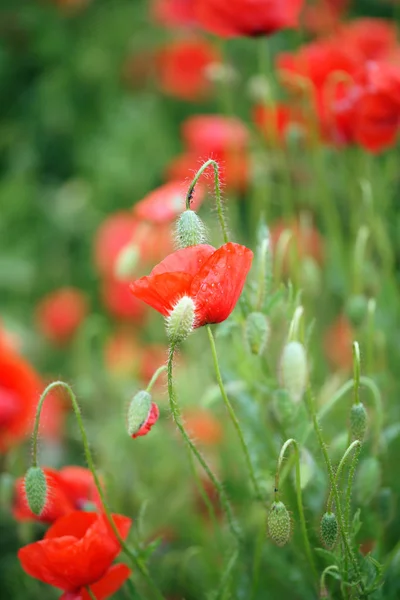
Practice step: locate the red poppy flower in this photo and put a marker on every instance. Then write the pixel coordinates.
(60, 313)
(203, 426)
(247, 17)
(77, 552)
(69, 489)
(174, 13)
(373, 38)
(323, 16)
(213, 134)
(276, 122)
(338, 344)
(214, 279)
(118, 301)
(149, 422)
(182, 68)
(20, 388)
(165, 203)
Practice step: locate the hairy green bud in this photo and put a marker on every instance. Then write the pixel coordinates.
(294, 372)
(36, 490)
(190, 230)
(256, 332)
(358, 421)
(138, 411)
(279, 524)
(180, 322)
(329, 530)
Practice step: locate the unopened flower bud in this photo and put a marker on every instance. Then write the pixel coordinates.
(368, 480)
(329, 530)
(257, 332)
(180, 322)
(358, 421)
(126, 262)
(142, 414)
(190, 230)
(36, 490)
(356, 309)
(279, 524)
(294, 373)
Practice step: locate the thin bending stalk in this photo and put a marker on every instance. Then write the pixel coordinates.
(355, 444)
(176, 413)
(298, 495)
(156, 375)
(136, 561)
(218, 198)
(342, 526)
(325, 572)
(232, 414)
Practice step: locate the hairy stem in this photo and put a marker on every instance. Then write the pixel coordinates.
(355, 444)
(156, 375)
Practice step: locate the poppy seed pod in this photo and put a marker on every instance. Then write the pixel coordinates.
(142, 414)
(180, 322)
(329, 530)
(36, 490)
(279, 524)
(358, 421)
(294, 373)
(257, 332)
(126, 262)
(190, 230)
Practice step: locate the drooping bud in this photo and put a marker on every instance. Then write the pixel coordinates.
(142, 414)
(256, 332)
(368, 480)
(190, 230)
(356, 309)
(358, 421)
(279, 524)
(126, 262)
(294, 373)
(180, 322)
(329, 530)
(36, 490)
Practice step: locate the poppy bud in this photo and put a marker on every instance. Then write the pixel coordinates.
(368, 480)
(126, 262)
(142, 414)
(36, 490)
(358, 421)
(279, 524)
(356, 309)
(294, 370)
(190, 230)
(180, 322)
(257, 332)
(329, 530)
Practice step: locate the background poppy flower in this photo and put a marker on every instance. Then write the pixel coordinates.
(165, 203)
(174, 13)
(77, 551)
(247, 17)
(209, 134)
(60, 313)
(275, 123)
(118, 301)
(374, 39)
(338, 342)
(214, 279)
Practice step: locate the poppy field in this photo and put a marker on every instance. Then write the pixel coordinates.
(200, 299)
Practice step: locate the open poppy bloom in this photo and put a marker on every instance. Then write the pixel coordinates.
(165, 203)
(231, 18)
(77, 552)
(212, 278)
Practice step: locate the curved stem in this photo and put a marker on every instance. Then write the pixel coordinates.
(342, 526)
(218, 198)
(292, 442)
(232, 415)
(156, 375)
(325, 572)
(339, 470)
(176, 413)
(136, 560)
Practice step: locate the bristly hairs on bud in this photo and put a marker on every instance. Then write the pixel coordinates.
(181, 320)
(279, 524)
(329, 530)
(36, 490)
(358, 414)
(138, 411)
(190, 230)
(293, 365)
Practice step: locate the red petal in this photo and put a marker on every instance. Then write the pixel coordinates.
(162, 291)
(109, 583)
(218, 285)
(151, 419)
(75, 523)
(188, 260)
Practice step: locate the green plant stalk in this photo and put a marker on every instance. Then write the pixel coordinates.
(331, 474)
(218, 198)
(232, 414)
(156, 375)
(325, 572)
(307, 546)
(203, 493)
(355, 444)
(135, 560)
(349, 491)
(257, 560)
(176, 413)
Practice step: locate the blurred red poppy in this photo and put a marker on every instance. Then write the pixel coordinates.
(182, 68)
(69, 489)
(306, 240)
(214, 134)
(214, 279)
(60, 314)
(77, 552)
(118, 301)
(338, 342)
(276, 122)
(247, 17)
(203, 426)
(374, 39)
(323, 16)
(165, 203)
(174, 13)
(116, 231)
(20, 387)
(152, 418)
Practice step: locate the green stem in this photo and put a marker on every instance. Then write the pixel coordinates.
(218, 198)
(136, 561)
(348, 499)
(156, 375)
(203, 493)
(176, 413)
(325, 572)
(91, 594)
(232, 415)
(292, 442)
(324, 450)
(339, 470)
